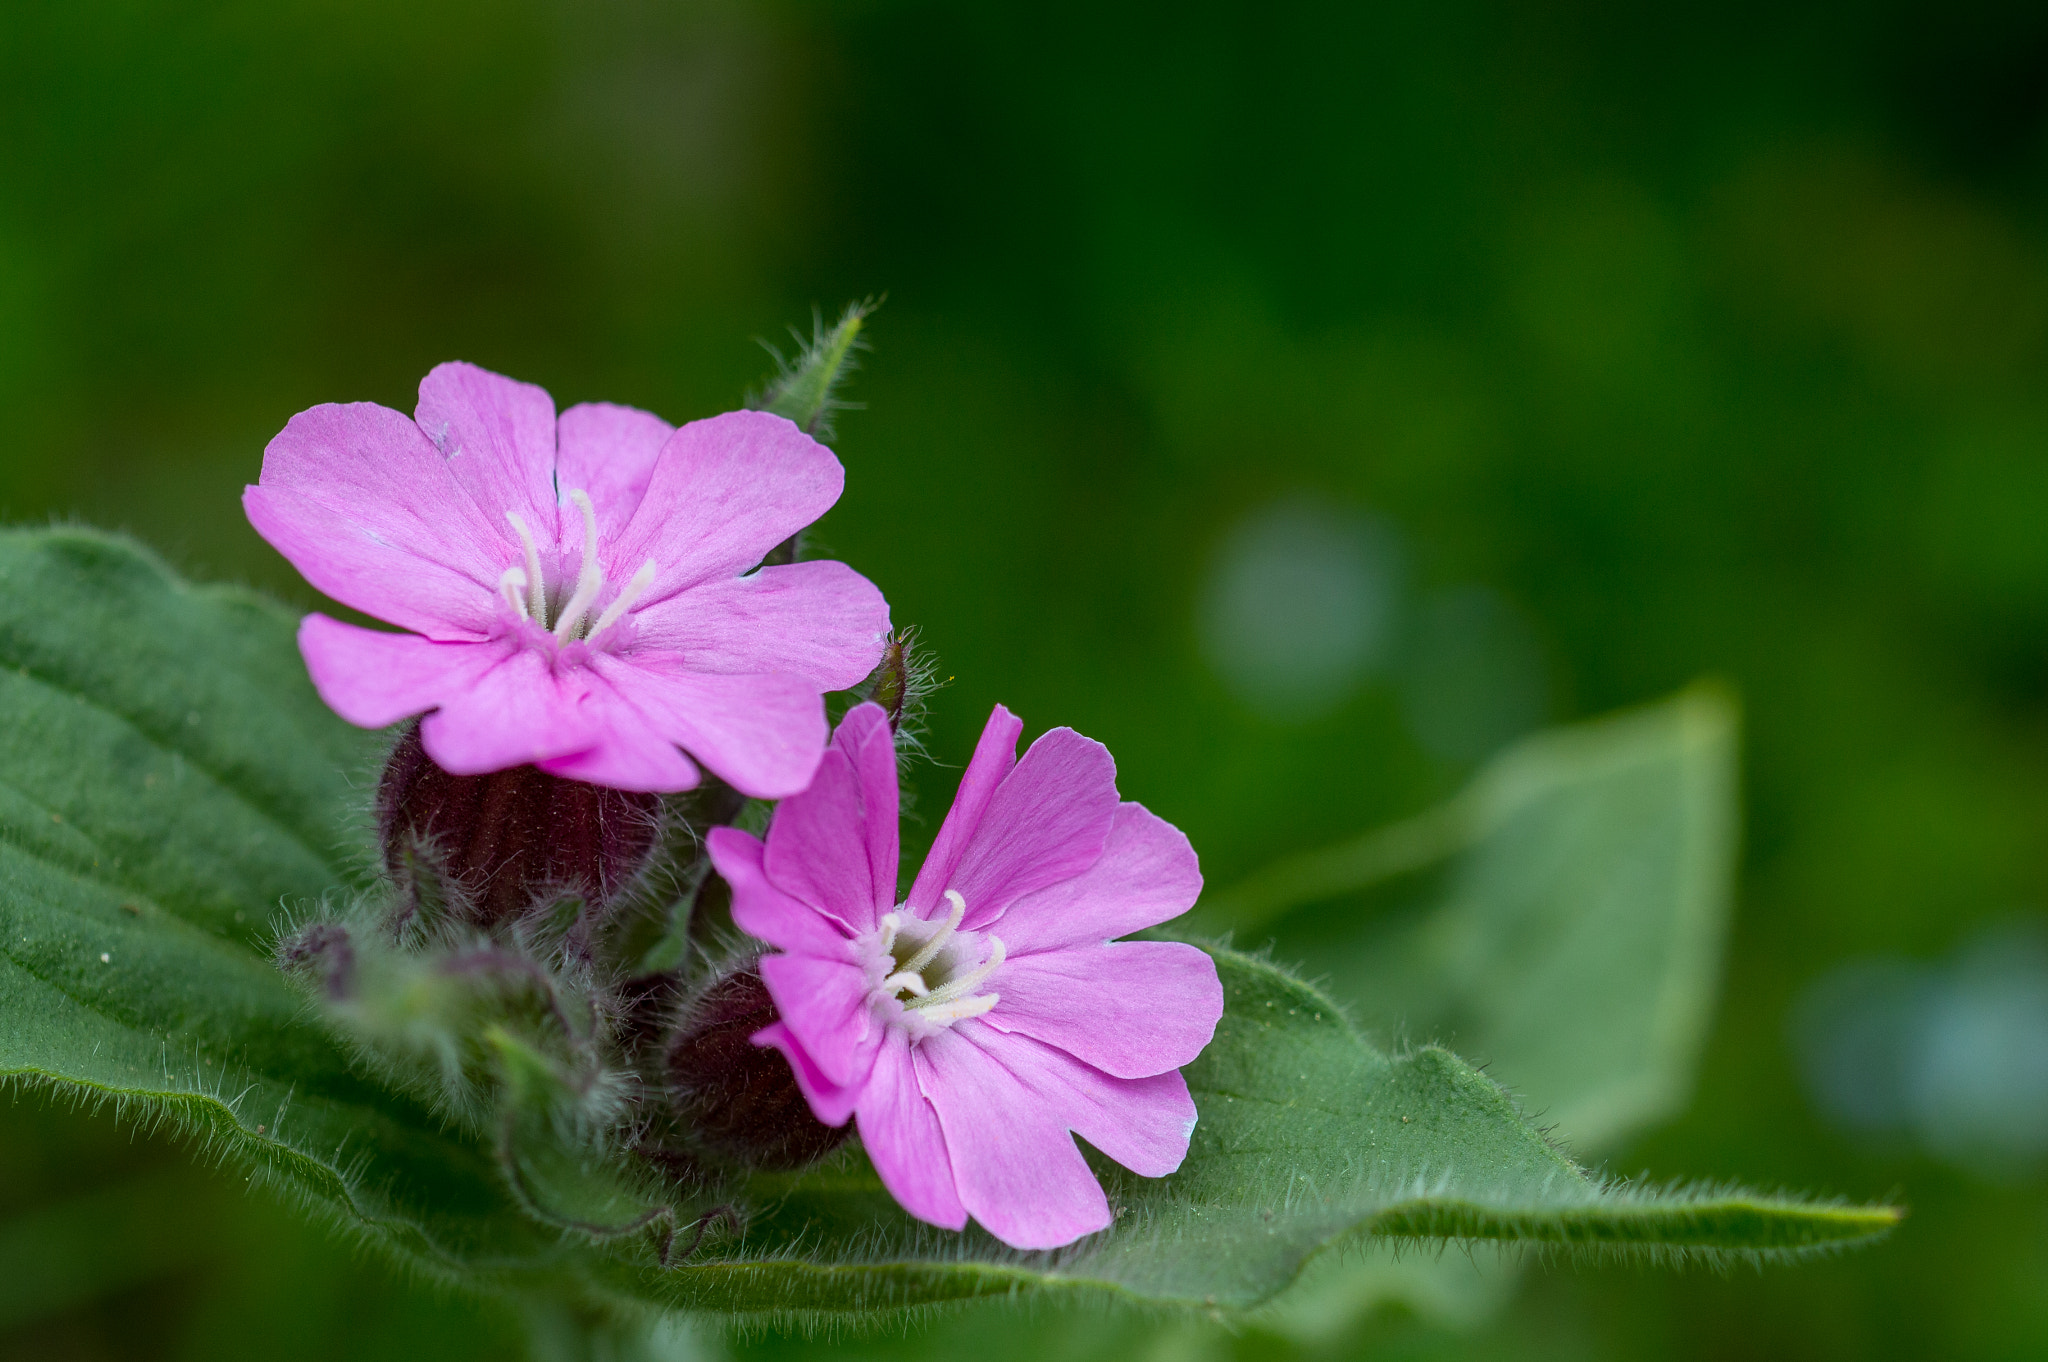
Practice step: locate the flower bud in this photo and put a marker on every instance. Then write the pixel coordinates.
(741, 1099)
(889, 684)
(507, 840)
(322, 950)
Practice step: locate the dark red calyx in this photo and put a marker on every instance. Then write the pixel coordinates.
(508, 840)
(741, 1099)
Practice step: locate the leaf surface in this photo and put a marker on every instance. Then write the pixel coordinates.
(1562, 919)
(1308, 1139)
(170, 782)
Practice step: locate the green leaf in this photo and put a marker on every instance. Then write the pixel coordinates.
(169, 782)
(1561, 919)
(115, 673)
(1308, 1139)
(1573, 941)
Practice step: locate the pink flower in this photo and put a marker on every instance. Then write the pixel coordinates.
(578, 590)
(972, 1030)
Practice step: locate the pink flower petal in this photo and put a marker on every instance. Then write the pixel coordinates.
(609, 452)
(818, 847)
(497, 438)
(1131, 1009)
(517, 712)
(901, 1133)
(366, 508)
(824, 1003)
(821, 621)
(865, 737)
(372, 678)
(995, 756)
(1017, 1169)
(1045, 823)
(628, 753)
(762, 734)
(761, 910)
(1142, 1123)
(1147, 873)
(830, 1102)
(408, 520)
(835, 845)
(724, 492)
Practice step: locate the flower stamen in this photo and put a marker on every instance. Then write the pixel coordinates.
(589, 578)
(958, 1011)
(623, 602)
(526, 589)
(934, 981)
(957, 989)
(512, 586)
(930, 950)
(536, 585)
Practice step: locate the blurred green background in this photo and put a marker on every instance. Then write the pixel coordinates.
(1464, 366)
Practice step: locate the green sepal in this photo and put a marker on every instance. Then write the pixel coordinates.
(562, 1171)
(805, 388)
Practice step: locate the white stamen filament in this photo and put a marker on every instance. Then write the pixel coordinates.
(526, 589)
(957, 989)
(589, 578)
(512, 586)
(950, 999)
(957, 1011)
(536, 585)
(906, 981)
(930, 950)
(623, 602)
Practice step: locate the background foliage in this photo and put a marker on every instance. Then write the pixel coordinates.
(1578, 349)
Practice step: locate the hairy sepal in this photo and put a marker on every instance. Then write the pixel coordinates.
(423, 1018)
(805, 387)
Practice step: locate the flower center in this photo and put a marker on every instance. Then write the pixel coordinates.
(931, 970)
(534, 598)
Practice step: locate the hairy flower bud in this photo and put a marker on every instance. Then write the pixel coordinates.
(741, 1100)
(890, 682)
(322, 950)
(509, 839)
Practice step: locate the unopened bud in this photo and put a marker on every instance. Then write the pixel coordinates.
(510, 839)
(741, 1099)
(890, 681)
(324, 951)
